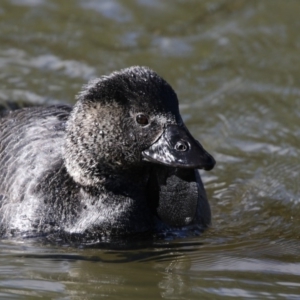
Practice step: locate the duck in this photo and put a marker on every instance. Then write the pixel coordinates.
(119, 163)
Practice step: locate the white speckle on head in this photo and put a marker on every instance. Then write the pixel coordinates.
(162, 119)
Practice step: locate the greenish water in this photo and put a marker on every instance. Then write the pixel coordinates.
(235, 67)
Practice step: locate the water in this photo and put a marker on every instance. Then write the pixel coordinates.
(235, 66)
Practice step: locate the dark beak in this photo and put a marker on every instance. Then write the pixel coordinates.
(177, 148)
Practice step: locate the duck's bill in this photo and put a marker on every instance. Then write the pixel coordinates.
(177, 148)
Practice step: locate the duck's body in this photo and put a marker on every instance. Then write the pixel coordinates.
(101, 169)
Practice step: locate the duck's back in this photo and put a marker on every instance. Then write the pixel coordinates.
(30, 145)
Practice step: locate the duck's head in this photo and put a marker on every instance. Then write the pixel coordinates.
(124, 119)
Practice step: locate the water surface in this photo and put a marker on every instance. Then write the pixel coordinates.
(235, 67)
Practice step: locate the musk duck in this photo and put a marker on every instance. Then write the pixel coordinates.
(119, 163)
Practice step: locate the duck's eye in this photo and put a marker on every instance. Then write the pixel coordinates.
(142, 119)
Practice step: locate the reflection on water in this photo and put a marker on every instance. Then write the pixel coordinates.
(181, 269)
(235, 67)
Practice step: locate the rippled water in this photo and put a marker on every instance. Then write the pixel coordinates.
(235, 66)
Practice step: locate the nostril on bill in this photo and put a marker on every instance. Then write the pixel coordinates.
(182, 146)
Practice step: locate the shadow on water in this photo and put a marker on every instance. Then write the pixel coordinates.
(122, 252)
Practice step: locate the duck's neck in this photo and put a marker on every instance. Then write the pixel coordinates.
(130, 183)
(118, 206)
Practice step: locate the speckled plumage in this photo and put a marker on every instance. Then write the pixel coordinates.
(82, 172)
